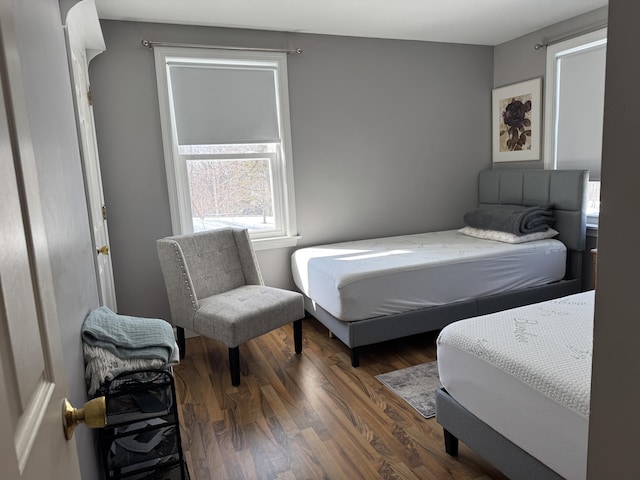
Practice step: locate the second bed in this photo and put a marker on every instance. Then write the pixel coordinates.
(370, 291)
(516, 387)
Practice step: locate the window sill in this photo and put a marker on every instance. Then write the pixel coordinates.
(276, 242)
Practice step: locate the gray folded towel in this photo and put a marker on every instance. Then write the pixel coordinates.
(102, 365)
(515, 219)
(128, 337)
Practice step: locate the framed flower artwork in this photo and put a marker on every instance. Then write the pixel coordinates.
(517, 121)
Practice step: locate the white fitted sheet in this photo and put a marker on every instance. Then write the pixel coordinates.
(526, 372)
(384, 276)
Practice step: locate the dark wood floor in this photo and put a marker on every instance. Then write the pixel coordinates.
(310, 416)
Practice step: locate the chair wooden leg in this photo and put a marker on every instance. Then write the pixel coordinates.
(297, 335)
(234, 365)
(181, 343)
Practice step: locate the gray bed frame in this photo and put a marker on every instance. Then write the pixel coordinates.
(565, 189)
(460, 424)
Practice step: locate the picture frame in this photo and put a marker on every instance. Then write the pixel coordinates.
(516, 121)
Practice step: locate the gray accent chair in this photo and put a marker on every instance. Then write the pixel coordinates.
(215, 289)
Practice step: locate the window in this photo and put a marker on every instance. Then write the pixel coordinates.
(225, 127)
(574, 109)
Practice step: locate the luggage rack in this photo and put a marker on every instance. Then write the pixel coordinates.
(142, 435)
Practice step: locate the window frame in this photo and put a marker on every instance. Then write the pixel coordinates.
(555, 51)
(175, 162)
(276, 180)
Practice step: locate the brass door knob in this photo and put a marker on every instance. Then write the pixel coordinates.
(104, 250)
(93, 415)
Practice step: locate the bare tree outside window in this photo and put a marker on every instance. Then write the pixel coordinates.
(230, 190)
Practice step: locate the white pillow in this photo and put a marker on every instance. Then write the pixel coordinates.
(507, 237)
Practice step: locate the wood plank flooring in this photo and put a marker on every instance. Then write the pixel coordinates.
(310, 416)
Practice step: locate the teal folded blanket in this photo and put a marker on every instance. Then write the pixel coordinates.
(128, 337)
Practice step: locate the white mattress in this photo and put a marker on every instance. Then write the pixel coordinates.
(384, 276)
(526, 372)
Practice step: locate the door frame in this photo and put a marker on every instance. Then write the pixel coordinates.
(84, 40)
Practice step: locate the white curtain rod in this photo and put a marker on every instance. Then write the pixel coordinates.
(150, 44)
(538, 46)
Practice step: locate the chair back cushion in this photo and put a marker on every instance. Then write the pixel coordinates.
(219, 260)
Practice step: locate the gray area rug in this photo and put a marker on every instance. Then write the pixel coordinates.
(416, 385)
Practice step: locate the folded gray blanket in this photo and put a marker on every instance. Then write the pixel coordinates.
(515, 219)
(128, 337)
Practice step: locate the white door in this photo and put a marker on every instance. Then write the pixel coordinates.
(32, 378)
(82, 19)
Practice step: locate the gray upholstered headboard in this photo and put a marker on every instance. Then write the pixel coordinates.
(565, 189)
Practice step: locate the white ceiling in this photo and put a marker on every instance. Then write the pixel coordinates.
(481, 22)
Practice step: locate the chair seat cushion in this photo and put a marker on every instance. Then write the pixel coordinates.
(246, 312)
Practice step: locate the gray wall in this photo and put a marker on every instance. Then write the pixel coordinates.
(381, 131)
(65, 6)
(41, 48)
(517, 60)
(614, 426)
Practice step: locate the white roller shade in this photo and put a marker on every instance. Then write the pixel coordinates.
(580, 110)
(223, 104)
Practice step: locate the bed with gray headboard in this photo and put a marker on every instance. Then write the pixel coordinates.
(564, 189)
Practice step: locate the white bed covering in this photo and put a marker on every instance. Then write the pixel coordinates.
(383, 276)
(526, 372)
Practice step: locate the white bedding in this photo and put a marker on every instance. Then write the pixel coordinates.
(383, 276)
(526, 372)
